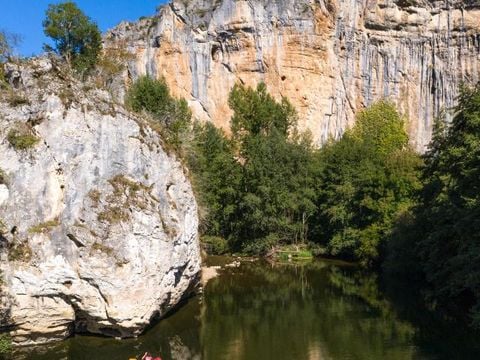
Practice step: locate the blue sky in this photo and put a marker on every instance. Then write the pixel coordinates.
(24, 17)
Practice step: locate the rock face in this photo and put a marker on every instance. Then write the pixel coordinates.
(329, 57)
(98, 223)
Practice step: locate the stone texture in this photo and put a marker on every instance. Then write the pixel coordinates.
(329, 57)
(100, 223)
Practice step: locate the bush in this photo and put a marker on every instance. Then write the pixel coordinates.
(111, 62)
(172, 115)
(215, 245)
(8, 42)
(3, 81)
(260, 246)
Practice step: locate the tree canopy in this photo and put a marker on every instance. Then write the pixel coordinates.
(446, 224)
(257, 185)
(368, 178)
(76, 37)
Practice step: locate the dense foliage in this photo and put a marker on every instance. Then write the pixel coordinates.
(368, 179)
(76, 37)
(442, 235)
(171, 115)
(362, 197)
(257, 185)
(267, 185)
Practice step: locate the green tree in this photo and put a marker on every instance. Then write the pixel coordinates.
(256, 112)
(76, 37)
(368, 178)
(257, 186)
(216, 179)
(447, 220)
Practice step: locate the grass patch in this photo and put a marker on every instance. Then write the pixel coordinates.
(102, 248)
(5, 344)
(94, 195)
(3, 80)
(125, 195)
(22, 138)
(20, 252)
(15, 99)
(114, 215)
(3, 227)
(294, 253)
(67, 97)
(124, 186)
(44, 227)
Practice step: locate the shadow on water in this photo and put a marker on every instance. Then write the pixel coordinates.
(321, 310)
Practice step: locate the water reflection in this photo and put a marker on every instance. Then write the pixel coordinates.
(309, 312)
(322, 310)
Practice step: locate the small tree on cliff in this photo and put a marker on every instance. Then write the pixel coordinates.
(76, 37)
(8, 42)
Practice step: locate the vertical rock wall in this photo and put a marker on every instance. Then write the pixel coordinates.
(329, 57)
(98, 224)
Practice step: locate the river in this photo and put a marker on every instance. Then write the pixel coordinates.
(319, 310)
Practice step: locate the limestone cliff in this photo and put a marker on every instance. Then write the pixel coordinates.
(329, 57)
(98, 224)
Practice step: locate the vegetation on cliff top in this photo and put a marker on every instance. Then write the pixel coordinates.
(171, 116)
(76, 37)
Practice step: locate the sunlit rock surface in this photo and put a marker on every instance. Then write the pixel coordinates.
(99, 223)
(329, 57)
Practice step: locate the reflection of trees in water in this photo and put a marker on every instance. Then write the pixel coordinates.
(263, 311)
(438, 337)
(434, 336)
(297, 312)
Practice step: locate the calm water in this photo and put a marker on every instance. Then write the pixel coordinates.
(322, 310)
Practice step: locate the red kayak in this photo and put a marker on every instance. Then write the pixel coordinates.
(147, 356)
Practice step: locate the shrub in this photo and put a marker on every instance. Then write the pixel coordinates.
(22, 138)
(19, 252)
(112, 62)
(153, 97)
(215, 245)
(3, 81)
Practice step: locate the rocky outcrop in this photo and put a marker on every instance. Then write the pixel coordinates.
(329, 57)
(98, 222)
